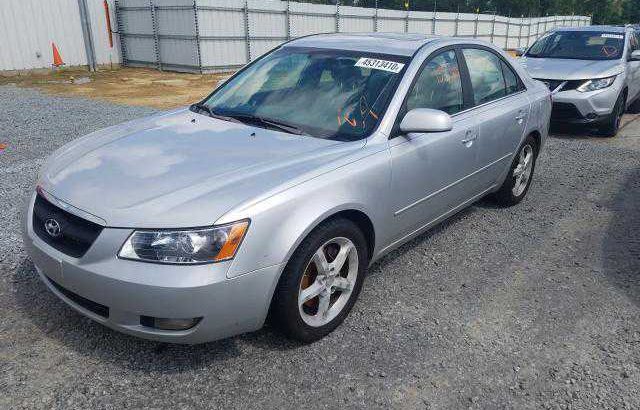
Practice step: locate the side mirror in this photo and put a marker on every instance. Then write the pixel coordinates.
(426, 120)
(635, 56)
(519, 52)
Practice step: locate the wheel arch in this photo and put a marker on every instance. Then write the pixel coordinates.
(353, 213)
(537, 137)
(362, 221)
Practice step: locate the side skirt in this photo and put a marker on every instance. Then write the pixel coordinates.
(431, 224)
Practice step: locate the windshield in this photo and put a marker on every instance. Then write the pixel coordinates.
(330, 94)
(579, 45)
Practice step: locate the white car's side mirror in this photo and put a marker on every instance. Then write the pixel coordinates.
(426, 120)
(635, 56)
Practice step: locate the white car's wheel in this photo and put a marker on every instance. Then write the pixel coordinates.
(610, 127)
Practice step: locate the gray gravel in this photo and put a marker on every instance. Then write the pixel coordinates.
(536, 306)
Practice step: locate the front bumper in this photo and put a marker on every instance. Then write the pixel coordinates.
(118, 293)
(576, 107)
(569, 113)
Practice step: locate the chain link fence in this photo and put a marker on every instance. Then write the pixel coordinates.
(222, 35)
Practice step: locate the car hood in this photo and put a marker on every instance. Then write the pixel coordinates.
(180, 169)
(568, 69)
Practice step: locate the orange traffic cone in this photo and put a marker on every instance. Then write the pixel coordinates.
(57, 58)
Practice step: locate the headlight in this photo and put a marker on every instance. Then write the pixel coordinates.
(598, 84)
(190, 246)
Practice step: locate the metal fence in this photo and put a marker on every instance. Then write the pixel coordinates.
(221, 35)
(28, 27)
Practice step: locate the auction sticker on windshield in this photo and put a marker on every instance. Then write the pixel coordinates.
(616, 36)
(376, 64)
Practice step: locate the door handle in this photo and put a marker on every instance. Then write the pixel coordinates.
(470, 136)
(521, 116)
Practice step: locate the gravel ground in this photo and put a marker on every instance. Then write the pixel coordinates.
(536, 306)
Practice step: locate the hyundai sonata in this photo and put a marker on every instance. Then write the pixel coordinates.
(277, 191)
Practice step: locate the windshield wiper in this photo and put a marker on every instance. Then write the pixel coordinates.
(197, 107)
(248, 118)
(211, 113)
(270, 122)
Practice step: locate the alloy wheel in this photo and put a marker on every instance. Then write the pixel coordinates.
(522, 172)
(327, 282)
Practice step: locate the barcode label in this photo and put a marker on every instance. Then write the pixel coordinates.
(617, 36)
(376, 64)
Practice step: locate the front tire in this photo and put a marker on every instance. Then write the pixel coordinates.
(610, 127)
(321, 281)
(635, 107)
(518, 181)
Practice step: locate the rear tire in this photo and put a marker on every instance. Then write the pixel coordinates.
(609, 128)
(516, 185)
(321, 281)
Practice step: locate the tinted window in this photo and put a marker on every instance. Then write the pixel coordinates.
(438, 86)
(510, 79)
(485, 71)
(580, 45)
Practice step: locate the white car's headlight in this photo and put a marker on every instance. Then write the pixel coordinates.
(597, 84)
(189, 246)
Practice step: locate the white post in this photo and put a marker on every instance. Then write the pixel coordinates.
(247, 34)
(433, 23)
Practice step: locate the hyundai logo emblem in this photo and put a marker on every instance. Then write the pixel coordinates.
(53, 228)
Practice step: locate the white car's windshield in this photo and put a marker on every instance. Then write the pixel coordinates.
(331, 94)
(579, 45)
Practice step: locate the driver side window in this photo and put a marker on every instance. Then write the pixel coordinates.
(438, 86)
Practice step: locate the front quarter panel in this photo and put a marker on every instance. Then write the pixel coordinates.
(280, 223)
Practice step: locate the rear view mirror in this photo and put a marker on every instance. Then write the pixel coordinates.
(635, 56)
(519, 52)
(426, 120)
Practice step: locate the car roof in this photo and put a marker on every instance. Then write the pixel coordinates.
(611, 29)
(382, 43)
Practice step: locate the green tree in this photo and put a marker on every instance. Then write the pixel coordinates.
(603, 11)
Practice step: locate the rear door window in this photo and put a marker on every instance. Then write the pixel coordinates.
(634, 41)
(485, 71)
(512, 84)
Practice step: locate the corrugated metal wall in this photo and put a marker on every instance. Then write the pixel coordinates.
(104, 53)
(217, 35)
(28, 27)
(213, 35)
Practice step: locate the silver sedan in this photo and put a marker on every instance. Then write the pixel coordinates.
(277, 191)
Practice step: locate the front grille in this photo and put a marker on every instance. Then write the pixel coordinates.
(97, 308)
(75, 236)
(565, 111)
(552, 84)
